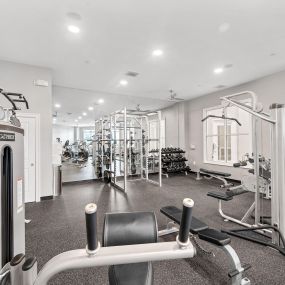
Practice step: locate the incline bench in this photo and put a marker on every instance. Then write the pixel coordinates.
(212, 236)
(209, 174)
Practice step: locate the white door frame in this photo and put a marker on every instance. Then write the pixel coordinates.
(37, 117)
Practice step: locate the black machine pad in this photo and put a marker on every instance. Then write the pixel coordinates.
(218, 173)
(214, 236)
(126, 229)
(197, 227)
(220, 196)
(130, 274)
(175, 214)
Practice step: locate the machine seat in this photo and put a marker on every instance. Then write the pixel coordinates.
(125, 229)
(218, 173)
(175, 214)
(130, 274)
(220, 196)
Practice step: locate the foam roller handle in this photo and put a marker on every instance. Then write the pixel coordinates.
(91, 227)
(185, 220)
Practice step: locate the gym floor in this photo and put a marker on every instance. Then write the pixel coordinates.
(58, 225)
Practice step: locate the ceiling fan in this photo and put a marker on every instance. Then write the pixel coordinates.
(173, 97)
(139, 110)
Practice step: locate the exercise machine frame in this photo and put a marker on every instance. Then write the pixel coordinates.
(121, 123)
(277, 124)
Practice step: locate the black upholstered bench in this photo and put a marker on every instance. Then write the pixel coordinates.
(214, 174)
(125, 229)
(197, 227)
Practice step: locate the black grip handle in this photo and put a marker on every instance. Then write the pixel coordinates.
(91, 227)
(185, 220)
(237, 164)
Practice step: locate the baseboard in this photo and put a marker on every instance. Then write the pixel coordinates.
(44, 198)
(81, 181)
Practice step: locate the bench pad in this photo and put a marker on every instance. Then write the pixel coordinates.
(214, 236)
(220, 196)
(175, 214)
(218, 173)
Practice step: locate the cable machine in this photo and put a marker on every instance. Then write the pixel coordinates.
(276, 121)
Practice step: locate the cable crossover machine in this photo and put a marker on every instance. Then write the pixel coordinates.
(272, 232)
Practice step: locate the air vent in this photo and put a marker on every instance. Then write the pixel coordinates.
(229, 65)
(220, 86)
(132, 73)
(69, 113)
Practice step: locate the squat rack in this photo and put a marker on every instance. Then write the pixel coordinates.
(128, 140)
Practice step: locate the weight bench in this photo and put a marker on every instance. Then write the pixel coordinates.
(209, 174)
(228, 196)
(215, 237)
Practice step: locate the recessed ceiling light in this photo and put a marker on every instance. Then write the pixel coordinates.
(101, 101)
(84, 114)
(57, 105)
(123, 82)
(218, 70)
(75, 121)
(73, 29)
(157, 52)
(54, 119)
(79, 117)
(90, 108)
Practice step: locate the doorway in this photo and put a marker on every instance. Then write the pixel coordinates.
(30, 123)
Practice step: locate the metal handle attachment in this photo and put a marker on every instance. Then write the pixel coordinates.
(183, 236)
(91, 229)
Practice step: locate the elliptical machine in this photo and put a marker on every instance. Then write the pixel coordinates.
(12, 209)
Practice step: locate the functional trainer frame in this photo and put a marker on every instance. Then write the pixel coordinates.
(276, 121)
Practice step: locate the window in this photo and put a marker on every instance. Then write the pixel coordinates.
(153, 134)
(225, 142)
(87, 134)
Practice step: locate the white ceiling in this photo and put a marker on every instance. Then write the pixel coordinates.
(119, 36)
(74, 102)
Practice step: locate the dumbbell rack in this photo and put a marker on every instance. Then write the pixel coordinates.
(173, 161)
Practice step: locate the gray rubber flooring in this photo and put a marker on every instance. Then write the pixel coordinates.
(58, 225)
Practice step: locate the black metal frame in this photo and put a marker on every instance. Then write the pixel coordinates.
(19, 99)
(237, 233)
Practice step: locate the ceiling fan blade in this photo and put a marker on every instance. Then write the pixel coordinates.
(175, 99)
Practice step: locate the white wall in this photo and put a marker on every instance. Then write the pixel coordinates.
(20, 78)
(63, 132)
(270, 89)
